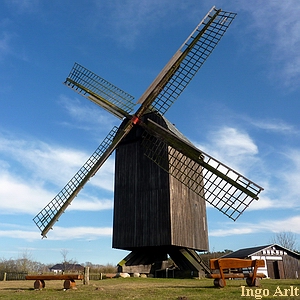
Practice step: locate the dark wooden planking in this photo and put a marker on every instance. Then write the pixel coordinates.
(188, 218)
(188, 212)
(141, 188)
(151, 208)
(291, 267)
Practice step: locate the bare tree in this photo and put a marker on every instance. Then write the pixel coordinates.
(65, 262)
(64, 253)
(285, 239)
(25, 261)
(22, 264)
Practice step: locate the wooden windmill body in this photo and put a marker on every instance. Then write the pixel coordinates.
(151, 207)
(162, 181)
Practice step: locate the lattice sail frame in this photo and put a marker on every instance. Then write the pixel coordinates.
(100, 91)
(160, 95)
(218, 191)
(51, 212)
(191, 56)
(169, 83)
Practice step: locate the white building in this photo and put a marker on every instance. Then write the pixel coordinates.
(280, 263)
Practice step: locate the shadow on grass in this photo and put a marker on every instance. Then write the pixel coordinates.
(189, 286)
(30, 289)
(17, 289)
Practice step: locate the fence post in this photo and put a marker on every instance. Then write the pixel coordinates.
(86, 279)
(4, 276)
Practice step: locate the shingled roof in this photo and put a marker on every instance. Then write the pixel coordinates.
(247, 252)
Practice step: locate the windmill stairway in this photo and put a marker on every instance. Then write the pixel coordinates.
(189, 259)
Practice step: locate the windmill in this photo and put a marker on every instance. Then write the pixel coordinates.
(162, 181)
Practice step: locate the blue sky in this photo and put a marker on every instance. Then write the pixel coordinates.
(242, 108)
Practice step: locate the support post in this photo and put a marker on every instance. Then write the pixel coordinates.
(4, 276)
(69, 284)
(86, 278)
(39, 284)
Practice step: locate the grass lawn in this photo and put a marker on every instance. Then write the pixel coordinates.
(151, 288)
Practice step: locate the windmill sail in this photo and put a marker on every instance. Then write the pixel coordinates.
(186, 62)
(225, 189)
(46, 218)
(158, 97)
(100, 91)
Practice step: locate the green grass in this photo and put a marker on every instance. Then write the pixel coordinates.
(143, 288)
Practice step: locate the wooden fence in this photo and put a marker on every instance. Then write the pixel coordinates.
(98, 276)
(12, 276)
(21, 276)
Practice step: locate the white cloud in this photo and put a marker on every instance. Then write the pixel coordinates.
(280, 177)
(19, 196)
(25, 191)
(86, 233)
(61, 233)
(263, 203)
(291, 176)
(277, 25)
(130, 18)
(44, 160)
(24, 6)
(5, 47)
(280, 180)
(290, 224)
(54, 164)
(87, 117)
(233, 142)
(277, 126)
(91, 205)
(230, 231)
(104, 178)
(286, 225)
(232, 147)
(20, 234)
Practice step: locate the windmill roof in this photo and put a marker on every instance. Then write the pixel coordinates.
(174, 130)
(246, 252)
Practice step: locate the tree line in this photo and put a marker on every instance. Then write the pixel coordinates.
(21, 265)
(25, 263)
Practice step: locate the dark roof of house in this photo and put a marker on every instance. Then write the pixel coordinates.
(66, 267)
(246, 252)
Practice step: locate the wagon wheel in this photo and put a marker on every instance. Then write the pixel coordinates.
(39, 284)
(219, 282)
(256, 281)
